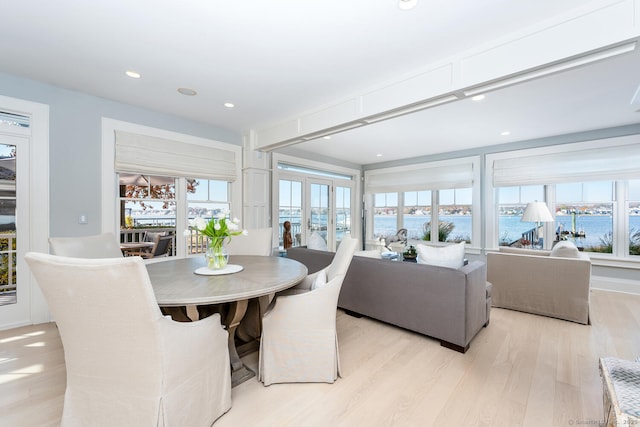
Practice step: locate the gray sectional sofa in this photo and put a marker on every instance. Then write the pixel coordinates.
(451, 305)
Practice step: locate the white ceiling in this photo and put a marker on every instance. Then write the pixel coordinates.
(274, 59)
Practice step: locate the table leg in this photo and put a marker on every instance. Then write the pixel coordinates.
(239, 372)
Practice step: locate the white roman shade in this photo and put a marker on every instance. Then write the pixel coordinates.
(142, 154)
(607, 162)
(424, 177)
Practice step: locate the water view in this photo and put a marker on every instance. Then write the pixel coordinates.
(595, 227)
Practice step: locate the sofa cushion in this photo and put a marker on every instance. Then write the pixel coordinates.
(565, 249)
(317, 242)
(451, 256)
(373, 253)
(320, 280)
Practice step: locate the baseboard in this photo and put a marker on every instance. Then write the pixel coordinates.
(615, 285)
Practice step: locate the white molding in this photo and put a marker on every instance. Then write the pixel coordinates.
(32, 307)
(615, 285)
(356, 217)
(491, 219)
(562, 42)
(476, 200)
(109, 208)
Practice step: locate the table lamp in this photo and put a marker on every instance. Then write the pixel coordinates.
(537, 212)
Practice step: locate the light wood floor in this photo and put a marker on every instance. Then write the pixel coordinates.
(523, 370)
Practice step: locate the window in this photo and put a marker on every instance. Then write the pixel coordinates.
(511, 204)
(454, 215)
(584, 215)
(343, 213)
(147, 207)
(316, 199)
(634, 217)
(449, 187)
(290, 209)
(206, 198)
(8, 253)
(385, 214)
(147, 201)
(591, 188)
(129, 149)
(416, 213)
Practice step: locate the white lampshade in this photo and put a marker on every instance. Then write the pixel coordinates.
(536, 212)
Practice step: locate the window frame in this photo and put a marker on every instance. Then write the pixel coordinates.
(475, 246)
(620, 256)
(110, 196)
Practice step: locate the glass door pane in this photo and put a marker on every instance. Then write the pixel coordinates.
(8, 277)
(319, 214)
(290, 209)
(343, 213)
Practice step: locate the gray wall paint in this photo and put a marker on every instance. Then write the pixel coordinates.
(75, 146)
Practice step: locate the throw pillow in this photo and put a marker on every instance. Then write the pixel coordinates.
(565, 249)
(320, 280)
(451, 256)
(373, 253)
(317, 242)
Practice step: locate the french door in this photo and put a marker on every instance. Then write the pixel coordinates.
(315, 205)
(15, 292)
(319, 210)
(24, 208)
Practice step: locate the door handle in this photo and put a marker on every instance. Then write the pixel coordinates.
(309, 223)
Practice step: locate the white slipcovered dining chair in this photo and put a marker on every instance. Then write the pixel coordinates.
(299, 341)
(126, 364)
(104, 245)
(256, 242)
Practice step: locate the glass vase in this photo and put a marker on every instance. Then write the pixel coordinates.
(217, 255)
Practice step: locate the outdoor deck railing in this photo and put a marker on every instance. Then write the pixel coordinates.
(130, 235)
(8, 258)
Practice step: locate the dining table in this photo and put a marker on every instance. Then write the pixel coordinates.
(187, 282)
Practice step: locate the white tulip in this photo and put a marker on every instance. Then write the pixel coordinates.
(201, 223)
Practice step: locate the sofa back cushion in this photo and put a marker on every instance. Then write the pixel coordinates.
(523, 251)
(317, 242)
(320, 280)
(565, 249)
(451, 256)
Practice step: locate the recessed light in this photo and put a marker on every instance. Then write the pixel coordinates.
(378, 155)
(407, 4)
(229, 104)
(132, 74)
(186, 91)
(478, 98)
(505, 133)
(326, 137)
